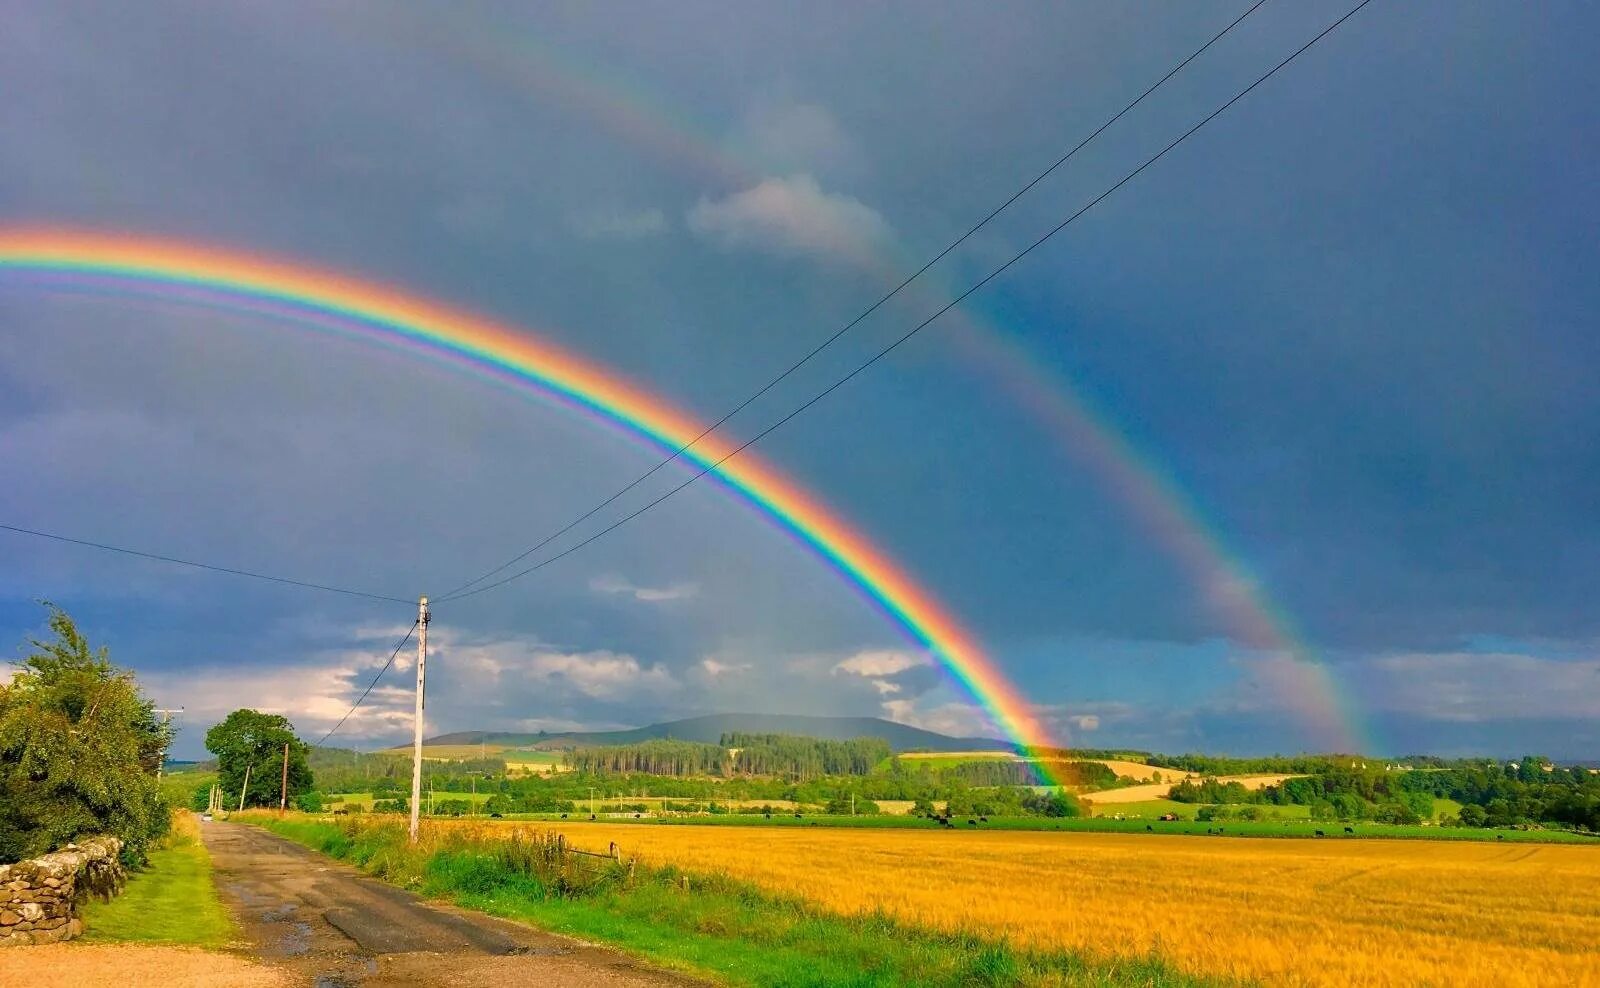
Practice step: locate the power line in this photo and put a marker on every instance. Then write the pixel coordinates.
(926, 322)
(230, 570)
(402, 644)
(869, 310)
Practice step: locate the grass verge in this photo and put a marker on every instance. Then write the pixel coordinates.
(171, 900)
(707, 925)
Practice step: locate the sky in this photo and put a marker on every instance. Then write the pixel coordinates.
(1289, 444)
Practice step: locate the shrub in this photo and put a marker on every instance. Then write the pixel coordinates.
(80, 746)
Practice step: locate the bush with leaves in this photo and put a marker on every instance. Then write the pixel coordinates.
(80, 747)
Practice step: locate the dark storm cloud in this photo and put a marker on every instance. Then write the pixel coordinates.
(1351, 320)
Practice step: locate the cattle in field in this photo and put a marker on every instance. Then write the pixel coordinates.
(1321, 834)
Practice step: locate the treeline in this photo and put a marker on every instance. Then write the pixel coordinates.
(1334, 795)
(739, 755)
(1266, 765)
(1532, 791)
(1005, 772)
(802, 757)
(652, 758)
(1526, 793)
(344, 770)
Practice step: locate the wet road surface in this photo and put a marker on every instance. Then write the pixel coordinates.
(330, 926)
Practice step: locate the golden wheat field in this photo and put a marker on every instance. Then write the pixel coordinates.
(1298, 912)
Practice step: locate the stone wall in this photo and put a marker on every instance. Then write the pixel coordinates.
(39, 898)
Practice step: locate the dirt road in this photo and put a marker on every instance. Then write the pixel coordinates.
(330, 926)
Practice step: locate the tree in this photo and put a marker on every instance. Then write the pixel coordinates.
(80, 746)
(251, 741)
(1473, 816)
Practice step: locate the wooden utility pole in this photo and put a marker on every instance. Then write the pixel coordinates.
(283, 794)
(416, 722)
(246, 788)
(166, 718)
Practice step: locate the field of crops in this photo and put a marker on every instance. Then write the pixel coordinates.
(1301, 912)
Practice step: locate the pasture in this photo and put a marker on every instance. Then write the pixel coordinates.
(1301, 912)
(1152, 809)
(364, 800)
(1159, 790)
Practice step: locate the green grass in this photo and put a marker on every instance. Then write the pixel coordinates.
(365, 799)
(172, 900)
(712, 926)
(179, 787)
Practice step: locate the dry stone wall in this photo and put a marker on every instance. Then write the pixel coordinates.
(39, 898)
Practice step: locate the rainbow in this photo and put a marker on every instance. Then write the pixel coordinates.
(321, 298)
(525, 64)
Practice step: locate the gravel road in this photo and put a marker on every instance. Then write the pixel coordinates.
(330, 926)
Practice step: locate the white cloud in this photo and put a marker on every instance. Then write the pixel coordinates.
(1461, 687)
(881, 662)
(713, 668)
(601, 675)
(617, 585)
(1085, 722)
(791, 216)
(1478, 686)
(618, 223)
(955, 719)
(313, 698)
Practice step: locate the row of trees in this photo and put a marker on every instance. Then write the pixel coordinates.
(804, 758)
(1527, 792)
(1005, 772)
(738, 755)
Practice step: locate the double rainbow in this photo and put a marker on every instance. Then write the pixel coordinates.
(330, 301)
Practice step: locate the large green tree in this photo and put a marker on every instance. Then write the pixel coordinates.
(252, 742)
(80, 747)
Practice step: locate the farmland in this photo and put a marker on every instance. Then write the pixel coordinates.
(1138, 794)
(1433, 912)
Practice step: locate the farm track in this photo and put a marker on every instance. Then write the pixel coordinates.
(325, 923)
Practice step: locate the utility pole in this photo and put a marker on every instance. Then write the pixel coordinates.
(166, 718)
(246, 789)
(416, 723)
(283, 795)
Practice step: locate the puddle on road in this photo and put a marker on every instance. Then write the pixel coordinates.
(297, 942)
(345, 979)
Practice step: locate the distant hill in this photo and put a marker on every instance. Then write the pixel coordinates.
(709, 729)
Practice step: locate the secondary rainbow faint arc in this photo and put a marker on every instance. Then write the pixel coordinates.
(387, 312)
(1328, 711)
